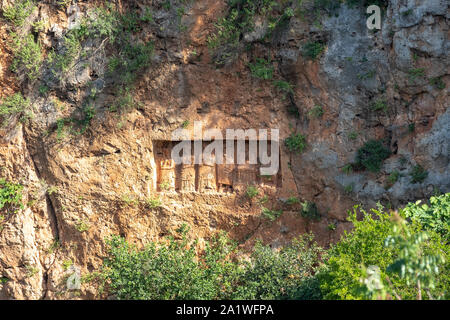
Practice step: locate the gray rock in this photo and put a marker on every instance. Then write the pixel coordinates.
(258, 32)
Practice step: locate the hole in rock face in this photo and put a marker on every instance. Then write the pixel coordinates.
(211, 175)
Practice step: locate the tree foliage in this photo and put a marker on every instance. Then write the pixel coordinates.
(172, 270)
(376, 240)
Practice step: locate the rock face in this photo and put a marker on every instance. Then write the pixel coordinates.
(80, 189)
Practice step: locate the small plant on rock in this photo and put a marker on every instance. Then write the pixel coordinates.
(418, 174)
(153, 203)
(316, 112)
(14, 105)
(296, 142)
(309, 210)
(82, 226)
(261, 69)
(312, 50)
(272, 215)
(252, 192)
(371, 155)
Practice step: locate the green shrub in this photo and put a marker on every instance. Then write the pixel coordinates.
(393, 177)
(172, 270)
(14, 105)
(438, 83)
(418, 174)
(348, 168)
(292, 200)
(169, 270)
(63, 61)
(414, 265)
(27, 55)
(284, 274)
(82, 225)
(185, 124)
(316, 112)
(261, 69)
(434, 215)
(353, 135)
(380, 105)
(108, 24)
(296, 142)
(10, 195)
(153, 203)
(252, 192)
(346, 261)
(348, 188)
(239, 20)
(309, 210)
(371, 155)
(283, 86)
(415, 73)
(312, 50)
(19, 11)
(271, 215)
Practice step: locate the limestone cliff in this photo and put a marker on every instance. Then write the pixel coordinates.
(92, 154)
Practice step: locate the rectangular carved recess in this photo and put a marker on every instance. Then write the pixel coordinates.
(208, 177)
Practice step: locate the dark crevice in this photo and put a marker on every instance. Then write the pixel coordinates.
(51, 210)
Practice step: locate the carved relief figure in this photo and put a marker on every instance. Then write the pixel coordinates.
(245, 175)
(187, 177)
(167, 177)
(225, 177)
(207, 176)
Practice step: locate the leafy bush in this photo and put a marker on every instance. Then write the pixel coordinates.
(167, 270)
(380, 105)
(272, 215)
(172, 270)
(239, 20)
(371, 155)
(346, 262)
(418, 174)
(107, 24)
(309, 210)
(283, 86)
(296, 142)
(63, 61)
(27, 55)
(251, 192)
(392, 178)
(284, 274)
(415, 73)
(437, 82)
(261, 69)
(312, 50)
(10, 195)
(153, 203)
(353, 135)
(13, 105)
(432, 216)
(292, 200)
(348, 168)
(19, 11)
(316, 112)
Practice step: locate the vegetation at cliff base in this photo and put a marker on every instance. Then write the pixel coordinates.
(171, 270)
(346, 263)
(386, 255)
